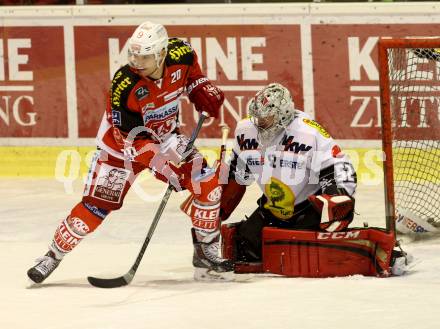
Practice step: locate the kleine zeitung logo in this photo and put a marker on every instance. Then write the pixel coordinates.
(14, 91)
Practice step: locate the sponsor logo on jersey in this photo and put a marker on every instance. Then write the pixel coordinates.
(141, 93)
(78, 225)
(280, 199)
(116, 118)
(111, 183)
(207, 214)
(295, 147)
(66, 237)
(177, 52)
(255, 161)
(338, 235)
(121, 86)
(290, 164)
(161, 112)
(317, 126)
(101, 213)
(247, 144)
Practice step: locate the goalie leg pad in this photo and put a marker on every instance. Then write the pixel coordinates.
(229, 250)
(327, 254)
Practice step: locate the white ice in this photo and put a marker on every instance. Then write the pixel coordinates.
(163, 293)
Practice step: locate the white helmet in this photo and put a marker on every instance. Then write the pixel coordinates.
(273, 101)
(148, 39)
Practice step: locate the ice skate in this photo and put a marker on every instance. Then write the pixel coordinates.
(44, 267)
(208, 265)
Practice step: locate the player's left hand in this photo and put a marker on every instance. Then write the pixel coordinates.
(205, 96)
(336, 211)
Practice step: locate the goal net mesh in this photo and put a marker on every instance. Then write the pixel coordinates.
(414, 80)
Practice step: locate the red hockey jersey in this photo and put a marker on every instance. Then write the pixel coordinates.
(137, 102)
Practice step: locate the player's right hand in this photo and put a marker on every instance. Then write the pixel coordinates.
(205, 96)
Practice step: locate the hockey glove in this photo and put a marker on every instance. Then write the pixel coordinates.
(205, 96)
(336, 211)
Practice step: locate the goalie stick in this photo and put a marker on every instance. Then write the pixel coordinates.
(128, 277)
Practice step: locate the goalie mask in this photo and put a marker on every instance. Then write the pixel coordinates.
(146, 44)
(271, 111)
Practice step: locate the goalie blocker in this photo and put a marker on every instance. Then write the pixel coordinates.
(295, 253)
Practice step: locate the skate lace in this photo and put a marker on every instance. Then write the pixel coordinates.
(211, 252)
(46, 264)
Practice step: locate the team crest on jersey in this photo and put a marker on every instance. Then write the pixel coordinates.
(247, 143)
(295, 147)
(280, 199)
(141, 93)
(111, 183)
(317, 126)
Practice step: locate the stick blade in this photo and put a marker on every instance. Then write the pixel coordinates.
(110, 283)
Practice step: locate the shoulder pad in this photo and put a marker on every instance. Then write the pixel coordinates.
(123, 82)
(245, 126)
(245, 123)
(179, 52)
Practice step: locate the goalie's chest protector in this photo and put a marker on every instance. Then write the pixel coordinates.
(283, 167)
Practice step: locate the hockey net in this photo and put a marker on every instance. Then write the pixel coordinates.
(410, 101)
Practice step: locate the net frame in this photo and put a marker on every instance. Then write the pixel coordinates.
(384, 46)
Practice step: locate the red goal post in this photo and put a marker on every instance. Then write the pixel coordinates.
(409, 77)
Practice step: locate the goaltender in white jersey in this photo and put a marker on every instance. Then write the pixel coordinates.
(307, 181)
(288, 168)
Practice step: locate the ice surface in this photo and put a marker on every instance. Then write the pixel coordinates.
(163, 293)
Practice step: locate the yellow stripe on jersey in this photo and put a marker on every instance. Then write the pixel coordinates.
(317, 126)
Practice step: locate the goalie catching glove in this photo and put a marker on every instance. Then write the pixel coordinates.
(205, 96)
(336, 211)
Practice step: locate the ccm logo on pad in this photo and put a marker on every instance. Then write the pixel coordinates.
(338, 235)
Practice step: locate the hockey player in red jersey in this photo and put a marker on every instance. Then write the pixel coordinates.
(308, 182)
(140, 130)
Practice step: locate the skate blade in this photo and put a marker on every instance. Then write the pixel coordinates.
(32, 285)
(204, 274)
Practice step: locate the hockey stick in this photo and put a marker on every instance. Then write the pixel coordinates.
(225, 133)
(128, 277)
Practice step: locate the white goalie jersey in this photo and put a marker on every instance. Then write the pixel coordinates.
(301, 161)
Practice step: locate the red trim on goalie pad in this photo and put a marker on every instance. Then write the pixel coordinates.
(248, 267)
(327, 254)
(228, 244)
(227, 232)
